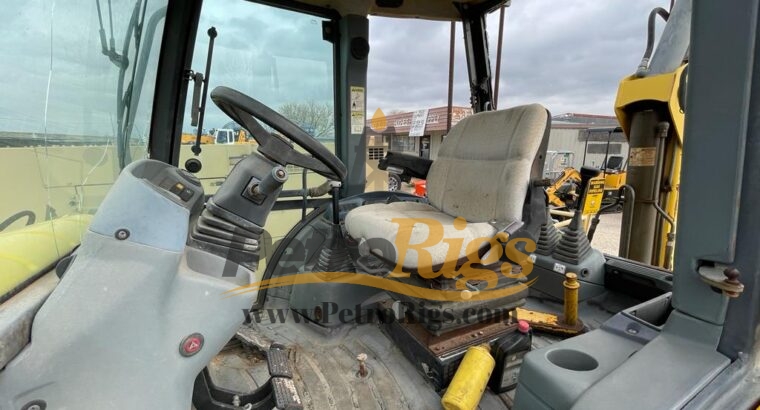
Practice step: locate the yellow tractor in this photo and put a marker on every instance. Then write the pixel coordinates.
(188, 139)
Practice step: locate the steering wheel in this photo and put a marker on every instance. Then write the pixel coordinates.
(246, 111)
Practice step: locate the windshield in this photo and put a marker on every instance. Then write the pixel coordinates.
(278, 57)
(75, 107)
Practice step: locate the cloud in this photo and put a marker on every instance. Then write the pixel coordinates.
(569, 56)
(273, 55)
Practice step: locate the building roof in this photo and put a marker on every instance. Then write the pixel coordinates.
(582, 121)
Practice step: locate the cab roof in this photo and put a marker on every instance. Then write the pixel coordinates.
(423, 9)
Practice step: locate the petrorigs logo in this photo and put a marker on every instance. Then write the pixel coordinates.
(401, 312)
(483, 263)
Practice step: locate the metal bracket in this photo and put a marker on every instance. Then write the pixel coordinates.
(722, 277)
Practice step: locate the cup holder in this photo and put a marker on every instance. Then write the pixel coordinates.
(572, 360)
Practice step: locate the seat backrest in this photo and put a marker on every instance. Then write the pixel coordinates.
(486, 163)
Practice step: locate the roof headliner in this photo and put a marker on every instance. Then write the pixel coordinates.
(424, 9)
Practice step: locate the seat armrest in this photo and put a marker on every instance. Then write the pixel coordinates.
(411, 166)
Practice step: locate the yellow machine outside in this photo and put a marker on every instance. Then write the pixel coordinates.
(28, 251)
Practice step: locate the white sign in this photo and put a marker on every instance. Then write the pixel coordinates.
(357, 110)
(419, 120)
(357, 122)
(357, 99)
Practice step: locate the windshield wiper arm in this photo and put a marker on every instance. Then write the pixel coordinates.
(144, 35)
(120, 60)
(124, 98)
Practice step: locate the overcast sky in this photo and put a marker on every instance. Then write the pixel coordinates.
(567, 55)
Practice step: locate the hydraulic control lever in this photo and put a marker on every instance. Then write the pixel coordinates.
(574, 246)
(272, 181)
(587, 174)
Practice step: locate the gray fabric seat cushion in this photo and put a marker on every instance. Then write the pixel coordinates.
(482, 175)
(375, 221)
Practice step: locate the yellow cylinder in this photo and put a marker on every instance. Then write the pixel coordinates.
(571, 298)
(470, 380)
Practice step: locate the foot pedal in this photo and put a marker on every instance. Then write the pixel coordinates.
(285, 394)
(277, 360)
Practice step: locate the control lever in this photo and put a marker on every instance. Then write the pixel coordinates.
(335, 192)
(574, 245)
(587, 174)
(272, 181)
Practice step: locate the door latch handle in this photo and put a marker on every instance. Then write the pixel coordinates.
(724, 278)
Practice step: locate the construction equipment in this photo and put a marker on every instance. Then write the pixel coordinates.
(219, 136)
(188, 139)
(230, 136)
(373, 299)
(614, 173)
(561, 192)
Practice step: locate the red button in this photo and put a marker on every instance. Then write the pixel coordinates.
(523, 326)
(191, 345)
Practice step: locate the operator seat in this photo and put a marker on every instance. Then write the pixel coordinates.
(481, 183)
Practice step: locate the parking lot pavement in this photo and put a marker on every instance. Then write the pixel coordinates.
(607, 235)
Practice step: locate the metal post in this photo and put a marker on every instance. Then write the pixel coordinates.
(452, 46)
(642, 176)
(585, 148)
(476, 51)
(571, 286)
(498, 57)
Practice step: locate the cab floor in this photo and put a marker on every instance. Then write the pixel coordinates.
(324, 361)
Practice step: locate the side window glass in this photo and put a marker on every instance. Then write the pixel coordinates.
(413, 122)
(74, 110)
